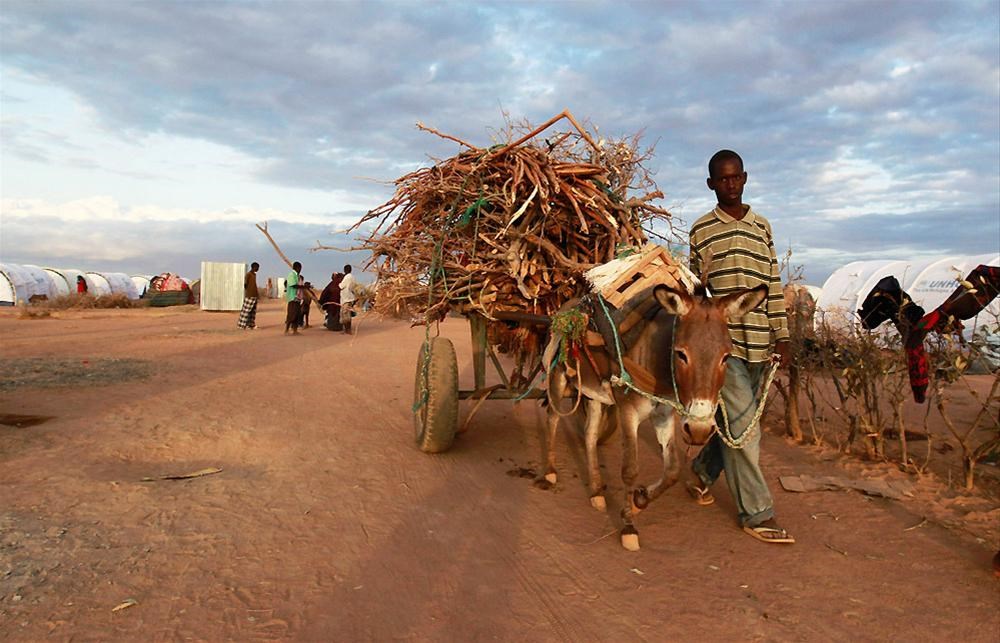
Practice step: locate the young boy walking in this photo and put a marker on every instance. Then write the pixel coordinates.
(738, 245)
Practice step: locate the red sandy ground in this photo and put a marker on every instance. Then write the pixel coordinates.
(327, 523)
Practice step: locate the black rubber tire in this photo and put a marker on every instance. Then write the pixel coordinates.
(436, 421)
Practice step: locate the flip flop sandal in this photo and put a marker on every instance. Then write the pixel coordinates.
(769, 534)
(702, 495)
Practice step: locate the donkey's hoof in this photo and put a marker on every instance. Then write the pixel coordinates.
(638, 500)
(598, 503)
(550, 477)
(630, 539)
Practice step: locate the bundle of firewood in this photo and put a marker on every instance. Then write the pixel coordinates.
(510, 227)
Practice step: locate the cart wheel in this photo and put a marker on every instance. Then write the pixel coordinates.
(437, 418)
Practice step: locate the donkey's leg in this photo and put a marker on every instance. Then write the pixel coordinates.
(556, 392)
(595, 422)
(628, 423)
(664, 420)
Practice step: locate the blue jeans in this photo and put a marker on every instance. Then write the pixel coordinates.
(743, 475)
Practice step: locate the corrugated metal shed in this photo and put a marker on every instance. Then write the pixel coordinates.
(222, 285)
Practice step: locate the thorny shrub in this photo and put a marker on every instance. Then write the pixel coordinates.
(949, 359)
(870, 385)
(869, 376)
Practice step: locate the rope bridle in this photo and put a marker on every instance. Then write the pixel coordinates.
(624, 380)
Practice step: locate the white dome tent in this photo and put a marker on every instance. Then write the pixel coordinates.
(108, 283)
(101, 286)
(69, 275)
(814, 291)
(938, 279)
(929, 282)
(141, 283)
(59, 281)
(840, 294)
(44, 284)
(18, 284)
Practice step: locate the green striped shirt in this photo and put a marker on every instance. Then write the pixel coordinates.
(742, 256)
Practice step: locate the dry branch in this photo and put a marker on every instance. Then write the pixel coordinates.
(511, 227)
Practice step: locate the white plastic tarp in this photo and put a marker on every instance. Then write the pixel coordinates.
(121, 283)
(20, 283)
(101, 285)
(141, 283)
(839, 298)
(928, 282)
(60, 283)
(69, 275)
(44, 285)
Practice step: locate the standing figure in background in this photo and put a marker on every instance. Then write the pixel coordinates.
(307, 300)
(81, 284)
(347, 287)
(329, 300)
(248, 314)
(291, 299)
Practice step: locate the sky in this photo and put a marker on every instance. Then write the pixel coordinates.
(145, 137)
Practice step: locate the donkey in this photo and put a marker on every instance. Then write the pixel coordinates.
(679, 355)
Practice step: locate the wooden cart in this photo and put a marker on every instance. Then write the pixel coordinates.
(436, 415)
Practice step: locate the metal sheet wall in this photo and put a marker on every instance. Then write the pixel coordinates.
(222, 285)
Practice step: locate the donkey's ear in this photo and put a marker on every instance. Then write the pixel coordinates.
(740, 303)
(673, 301)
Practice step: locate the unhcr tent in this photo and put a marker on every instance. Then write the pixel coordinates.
(108, 283)
(141, 283)
(44, 285)
(20, 283)
(928, 281)
(68, 276)
(60, 283)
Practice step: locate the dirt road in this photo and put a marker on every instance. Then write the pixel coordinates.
(326, 523)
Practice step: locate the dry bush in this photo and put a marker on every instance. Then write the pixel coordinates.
(868, 373)
(33, 312)
(949, 358)
(801, 310)
(869, 387)
(80, 301)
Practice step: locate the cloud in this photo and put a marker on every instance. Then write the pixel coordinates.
(214, 114)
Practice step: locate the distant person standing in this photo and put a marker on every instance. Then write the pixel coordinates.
(305, 301)
(329, 300)
(81, 285)
(248, 314)
(347, 287)
(291, 299)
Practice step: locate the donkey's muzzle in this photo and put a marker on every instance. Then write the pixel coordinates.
(699, 422)
(698, 433)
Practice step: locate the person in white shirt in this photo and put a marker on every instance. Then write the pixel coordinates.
(348, 286)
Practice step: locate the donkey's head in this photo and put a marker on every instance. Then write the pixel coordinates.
(701, 346)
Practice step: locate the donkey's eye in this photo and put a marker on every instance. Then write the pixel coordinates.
(681, 355)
